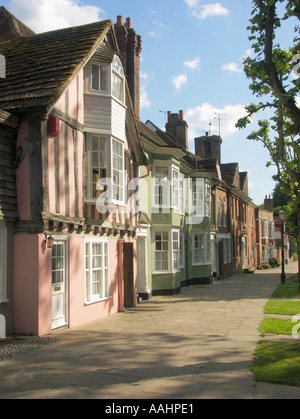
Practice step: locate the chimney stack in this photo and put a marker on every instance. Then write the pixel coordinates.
(268, 203)
(178, 128)
(208, 146)
(130, 46)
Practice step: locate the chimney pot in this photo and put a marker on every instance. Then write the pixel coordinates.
(206, 133)
(128, 23)
(120, 21)
(181, 116)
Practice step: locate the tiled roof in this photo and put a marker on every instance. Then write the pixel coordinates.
(39, 67)
(229, 171)
(157, 137)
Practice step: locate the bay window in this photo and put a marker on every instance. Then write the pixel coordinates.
(161, 252)
(168, 251)
(105, 166)
(201, 198)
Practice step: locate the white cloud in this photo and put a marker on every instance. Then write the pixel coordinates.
(194, 64)
(232, 67)
(43, 15)
(179, 81)
(200, 118)
(159, 27)
(203, 11)
(144, 98)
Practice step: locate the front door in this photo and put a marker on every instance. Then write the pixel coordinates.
(59, 284)
(128, 274)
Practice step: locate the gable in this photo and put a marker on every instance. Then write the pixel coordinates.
(11, 27)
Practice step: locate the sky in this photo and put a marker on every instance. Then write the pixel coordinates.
(192, 60)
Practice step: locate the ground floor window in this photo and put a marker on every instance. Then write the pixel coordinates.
(201, 251)
(168, 251)
(3, 264)
(96, 270)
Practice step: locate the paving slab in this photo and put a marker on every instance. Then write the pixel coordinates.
(195, 345)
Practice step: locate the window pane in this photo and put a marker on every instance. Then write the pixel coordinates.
(117, 87)
(103, 78)
(95, 77)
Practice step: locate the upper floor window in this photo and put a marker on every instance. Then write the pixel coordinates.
(99, 78)
(118, 80)
(224, 214)
(219, 213)
(102, 78)
(106, 172)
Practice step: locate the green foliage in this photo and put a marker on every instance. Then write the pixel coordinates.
(272, 77)
(273, 262)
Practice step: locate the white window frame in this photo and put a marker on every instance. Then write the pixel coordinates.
(119, 76)
(164, 233)
(219, 213)
(175, 188)
(171, 257)
(3, 264)
(161, 184)
(175, 249)
(181, 196)
(224, 214)
(109, 184)
(122, 171)
(112, 74)
(91, 297)
(182, 251)
(205, 241)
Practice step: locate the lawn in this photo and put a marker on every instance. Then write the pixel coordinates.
(276, 326)
(289, 289)
(277, 362)
(290, 308)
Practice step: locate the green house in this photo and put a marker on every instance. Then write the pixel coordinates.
(174, 235)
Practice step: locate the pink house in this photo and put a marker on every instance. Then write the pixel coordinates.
(77, 148)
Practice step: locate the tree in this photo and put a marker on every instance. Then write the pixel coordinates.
(275, 77)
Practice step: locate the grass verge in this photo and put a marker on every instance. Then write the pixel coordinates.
(273, 326)
(277, 362)
(289, 308)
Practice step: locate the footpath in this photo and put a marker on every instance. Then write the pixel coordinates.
(195, 345)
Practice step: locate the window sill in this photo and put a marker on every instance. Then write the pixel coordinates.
(88, 303)
(4, 301)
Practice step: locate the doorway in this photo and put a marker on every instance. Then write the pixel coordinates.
(128, 274)
(59, 284)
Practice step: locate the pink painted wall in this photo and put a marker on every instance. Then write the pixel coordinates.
(75, 110)
(32, 285)
(80, 312)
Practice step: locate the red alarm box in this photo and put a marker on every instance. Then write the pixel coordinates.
(53, 126)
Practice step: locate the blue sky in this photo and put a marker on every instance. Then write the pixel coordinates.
(191, 60)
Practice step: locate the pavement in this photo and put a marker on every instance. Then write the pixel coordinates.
(195, 345)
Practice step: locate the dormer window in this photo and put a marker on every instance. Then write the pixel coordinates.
(106, 79)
